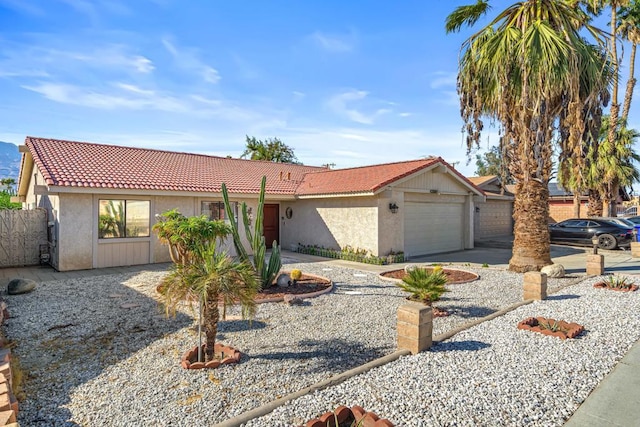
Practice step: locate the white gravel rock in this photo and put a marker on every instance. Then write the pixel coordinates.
(99, 351)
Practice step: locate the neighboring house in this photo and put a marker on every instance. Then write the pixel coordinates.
(494, 214)
(103, 200)
(561, 204)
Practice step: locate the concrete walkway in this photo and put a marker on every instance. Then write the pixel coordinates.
(616, 400)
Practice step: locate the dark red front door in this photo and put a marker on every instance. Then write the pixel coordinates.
(271, 224)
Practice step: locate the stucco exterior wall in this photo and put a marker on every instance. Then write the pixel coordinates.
(332, 223)
(75, 231)
(390, 225)
(493, 218)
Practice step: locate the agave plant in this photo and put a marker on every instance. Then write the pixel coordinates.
(424, 286)
(618, 282)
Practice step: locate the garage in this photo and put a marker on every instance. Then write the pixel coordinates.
(433, 228)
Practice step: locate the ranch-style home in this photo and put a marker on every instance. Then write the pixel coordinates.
(102, 201)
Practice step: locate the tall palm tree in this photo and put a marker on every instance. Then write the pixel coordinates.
(615, 164)
(624, 23)
(526, 69)
(629, 29)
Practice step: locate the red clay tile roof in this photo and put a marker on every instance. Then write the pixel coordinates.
(365, 179)
(81, 164)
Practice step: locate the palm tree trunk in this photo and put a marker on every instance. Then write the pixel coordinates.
(576, 204)
(531, 248)
(595, 204)
(630, 84)
(210, 318)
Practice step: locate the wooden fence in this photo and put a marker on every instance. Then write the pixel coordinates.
(23, 237)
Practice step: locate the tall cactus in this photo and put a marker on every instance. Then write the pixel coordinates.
(267, 271)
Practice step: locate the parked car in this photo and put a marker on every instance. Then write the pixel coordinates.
(617, 220)
(579, 231)
(634, 219)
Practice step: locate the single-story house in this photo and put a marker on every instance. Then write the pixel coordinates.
(493, 216)
(102, 201)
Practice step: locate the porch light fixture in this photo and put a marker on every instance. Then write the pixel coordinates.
(594, 242)
(393, 207)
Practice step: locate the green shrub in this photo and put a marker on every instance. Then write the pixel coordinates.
(424, 286)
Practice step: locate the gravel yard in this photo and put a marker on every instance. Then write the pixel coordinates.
(99, 351)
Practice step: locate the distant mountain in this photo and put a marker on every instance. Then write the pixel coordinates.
(9, 160)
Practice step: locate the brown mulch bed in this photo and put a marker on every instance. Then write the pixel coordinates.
(304, 285)
(453, 276)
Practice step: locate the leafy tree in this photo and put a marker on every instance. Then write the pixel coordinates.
(8, 184)
(491, 164)
(526, 69)
(5, 201)
(185, 235)
(272, 150)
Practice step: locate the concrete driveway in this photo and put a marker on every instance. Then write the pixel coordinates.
(573, 259)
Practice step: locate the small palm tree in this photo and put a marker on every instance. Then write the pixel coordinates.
(424, 286)
(216, 278)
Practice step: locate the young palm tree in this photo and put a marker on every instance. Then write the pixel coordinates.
(215, 278)
(423, 285)
(526, 69)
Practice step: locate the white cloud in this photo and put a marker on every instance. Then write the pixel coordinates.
(350, 147)
(443, 79)
(131, 97)
(188, 59)
(334, 43)
(40, 61)
(134, 89)
(340, 104)
(405, 114)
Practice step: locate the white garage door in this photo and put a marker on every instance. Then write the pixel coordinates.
(433, 228)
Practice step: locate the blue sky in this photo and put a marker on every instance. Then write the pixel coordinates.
(346, 82)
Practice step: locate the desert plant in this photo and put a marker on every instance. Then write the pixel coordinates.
(186, 235)
(266, 270)
(215, 278)
(552, 326)
(618, 282)
(295, 274)
(424, 286)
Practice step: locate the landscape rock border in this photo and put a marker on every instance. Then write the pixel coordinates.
(302, 296)
(355, 415)
(603, 285)
(565, 329)
(228, 353)
(394, 280)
